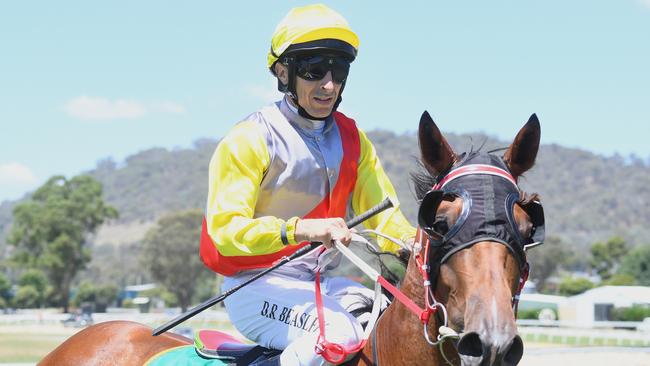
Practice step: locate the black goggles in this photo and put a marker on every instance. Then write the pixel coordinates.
(316, 67)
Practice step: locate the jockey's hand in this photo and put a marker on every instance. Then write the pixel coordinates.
(323, 231)
(413, 245)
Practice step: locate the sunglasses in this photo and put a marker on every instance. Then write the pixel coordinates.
(316, 67)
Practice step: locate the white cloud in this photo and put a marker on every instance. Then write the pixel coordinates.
(15, 180)
(267, 93)
(15, 173)
(168, 107)
(99, 108)
(646, 3)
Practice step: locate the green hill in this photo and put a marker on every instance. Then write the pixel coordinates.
(586, 197)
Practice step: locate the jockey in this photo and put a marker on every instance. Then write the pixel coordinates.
(289, 174)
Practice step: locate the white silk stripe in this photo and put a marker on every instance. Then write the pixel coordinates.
(475, 169)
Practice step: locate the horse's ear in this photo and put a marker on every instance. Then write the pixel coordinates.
(521, 154)
(437, 155)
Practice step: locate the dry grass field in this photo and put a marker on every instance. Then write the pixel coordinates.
(544, 355)
(29, 343)
(26, 344)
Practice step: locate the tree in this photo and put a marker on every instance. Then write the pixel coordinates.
(27, 297)
(51, 229)
(85, 293)
(36, 279)
(606, 257)
(100, 296)
(574, 286)
(637, 264)
(171, 254)
(5, 291)
(545, 261)
(620, 279)
(104, 296)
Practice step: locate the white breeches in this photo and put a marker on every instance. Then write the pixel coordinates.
(279, 312)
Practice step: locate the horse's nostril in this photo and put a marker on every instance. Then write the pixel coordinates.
(514, 353)
(470, 345)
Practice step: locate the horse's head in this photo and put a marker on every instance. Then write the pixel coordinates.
(478, 224)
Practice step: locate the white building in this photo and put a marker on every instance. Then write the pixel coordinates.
(596, 304)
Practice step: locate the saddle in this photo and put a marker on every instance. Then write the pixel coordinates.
(214, 344)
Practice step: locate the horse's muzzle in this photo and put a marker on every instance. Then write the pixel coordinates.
(474, 351)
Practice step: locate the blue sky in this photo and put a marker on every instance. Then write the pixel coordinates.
(81, 81)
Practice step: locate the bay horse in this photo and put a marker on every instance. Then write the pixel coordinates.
(473, 228)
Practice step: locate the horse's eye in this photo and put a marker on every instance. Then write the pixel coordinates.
(440, 225)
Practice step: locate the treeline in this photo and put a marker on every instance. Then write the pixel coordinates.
(155, 181)
(613, 262)
(50, 247)
(588, 199)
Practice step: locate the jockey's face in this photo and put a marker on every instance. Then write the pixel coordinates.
(316, 97)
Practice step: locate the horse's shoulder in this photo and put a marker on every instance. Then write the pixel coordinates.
(129, 330)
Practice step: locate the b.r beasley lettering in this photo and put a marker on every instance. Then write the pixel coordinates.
(290, 317)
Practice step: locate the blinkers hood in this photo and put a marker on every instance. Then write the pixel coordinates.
(489, 194)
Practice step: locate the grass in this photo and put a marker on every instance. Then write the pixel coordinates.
(581, 341)
(27, 344)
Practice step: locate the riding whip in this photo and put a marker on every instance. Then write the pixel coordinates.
(383, 205)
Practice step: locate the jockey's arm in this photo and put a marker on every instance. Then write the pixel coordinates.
(236, 171)
(235, 174)
(372, 187)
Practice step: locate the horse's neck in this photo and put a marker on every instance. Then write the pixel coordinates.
(412, 285)
(400, 331)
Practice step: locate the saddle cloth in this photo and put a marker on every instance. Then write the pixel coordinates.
(182, 356)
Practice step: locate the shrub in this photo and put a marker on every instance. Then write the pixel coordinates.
(100, 296)
(535, 314)
(574, 286)
(620, 279)
(5, 288)
(85, 293)
(27, 297)
(160, 292)
(104, 296)
(635, 313)
(528, 314)
(128, 303)
(36, 279)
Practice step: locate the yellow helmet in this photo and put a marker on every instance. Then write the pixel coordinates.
(312, 28)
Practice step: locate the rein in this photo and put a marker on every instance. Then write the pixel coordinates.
(428, 261)
(333, 352)
(445, 246)
(336, 353)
